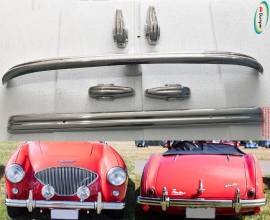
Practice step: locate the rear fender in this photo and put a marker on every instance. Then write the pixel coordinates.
(150, 174)
(254, 175)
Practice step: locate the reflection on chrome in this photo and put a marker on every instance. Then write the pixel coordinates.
(34, 123)
(113, 60)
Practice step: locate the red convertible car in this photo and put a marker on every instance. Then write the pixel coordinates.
(65, 177)
(202, 180)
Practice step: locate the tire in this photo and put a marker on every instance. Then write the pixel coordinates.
(115, 214)
(15, 212)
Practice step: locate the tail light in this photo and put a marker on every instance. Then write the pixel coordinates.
(251, 193)
(151, 192)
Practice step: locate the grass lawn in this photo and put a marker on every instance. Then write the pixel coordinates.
(261, 153)
(130, 154)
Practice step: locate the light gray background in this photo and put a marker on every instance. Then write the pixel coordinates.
(37, 29)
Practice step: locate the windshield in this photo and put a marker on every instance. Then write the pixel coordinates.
(188, 147)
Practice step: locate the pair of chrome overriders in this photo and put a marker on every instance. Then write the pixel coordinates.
(152, 29)
(148, 119)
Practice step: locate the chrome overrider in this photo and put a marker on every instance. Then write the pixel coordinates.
(165, 202)
(98, 205)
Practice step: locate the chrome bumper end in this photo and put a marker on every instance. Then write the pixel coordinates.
(98, 205)
(165, 202)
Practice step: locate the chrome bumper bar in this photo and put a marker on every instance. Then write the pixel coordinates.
(35, 123)
(113, 60)
(165, 202)
(196, 203)
(30, 204)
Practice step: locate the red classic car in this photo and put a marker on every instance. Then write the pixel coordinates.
(202, 180)
(65, 177)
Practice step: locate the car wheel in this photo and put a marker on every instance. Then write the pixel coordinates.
(115, 214)
(16, 212)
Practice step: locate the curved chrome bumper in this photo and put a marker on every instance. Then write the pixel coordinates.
(98, 205)
(165, 202)
(196, 203)
(35, 123)
(83, 62)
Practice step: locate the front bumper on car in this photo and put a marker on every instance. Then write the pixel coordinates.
(98, 205)
(165, 202)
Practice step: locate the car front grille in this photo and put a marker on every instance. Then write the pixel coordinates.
(66, 180)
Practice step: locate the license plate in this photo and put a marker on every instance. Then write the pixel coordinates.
(201, 213)
(64, 214)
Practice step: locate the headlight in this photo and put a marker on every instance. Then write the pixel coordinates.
(83, 193)
(47, 192)
(14, 173)
(116, 176)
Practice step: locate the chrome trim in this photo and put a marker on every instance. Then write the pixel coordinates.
(30, 204)
(197, 203)
(152, 29)
(120, 33)
(165, 202)
(111, 170)
(83, 62)
(201, 189)
(110, 92)
(169, 92)
(237, 202)
(34, 123)
(73, 177)
(99, 203)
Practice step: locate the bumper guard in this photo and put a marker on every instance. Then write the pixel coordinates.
(165, 202)
(98, 205)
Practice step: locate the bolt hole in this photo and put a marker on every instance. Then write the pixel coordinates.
(138, 36)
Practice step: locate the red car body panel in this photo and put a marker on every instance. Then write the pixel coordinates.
(221, 176)
(37, 156)
(202, 169)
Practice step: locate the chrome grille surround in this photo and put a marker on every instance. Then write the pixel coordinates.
(66, 180)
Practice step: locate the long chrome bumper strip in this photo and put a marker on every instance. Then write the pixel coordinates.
(196, 203)
(34, 123)
(82, 62)
(165, 202)
(65, 204)
(98, 205)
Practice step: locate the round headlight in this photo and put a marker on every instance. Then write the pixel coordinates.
(47, 192)
(14, 173)
(116, 176)
(83, 193)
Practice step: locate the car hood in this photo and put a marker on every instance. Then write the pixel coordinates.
(58, 154)
(218, 175)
